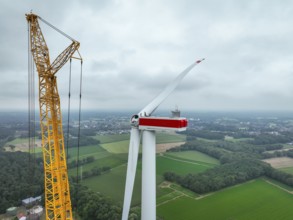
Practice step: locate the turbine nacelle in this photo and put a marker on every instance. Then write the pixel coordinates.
(159, 123)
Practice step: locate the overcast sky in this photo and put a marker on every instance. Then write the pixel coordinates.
(133, 48)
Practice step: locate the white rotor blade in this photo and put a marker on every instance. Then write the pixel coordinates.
(151, 107)
(131, 170)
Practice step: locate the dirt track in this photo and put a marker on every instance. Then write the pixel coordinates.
(22, 147)
(163, 147)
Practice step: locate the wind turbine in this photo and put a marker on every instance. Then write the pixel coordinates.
(144, 123)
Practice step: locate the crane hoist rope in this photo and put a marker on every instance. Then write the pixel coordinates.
(31, 121)
(57, 195)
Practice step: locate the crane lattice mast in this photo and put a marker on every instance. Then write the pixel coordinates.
(57, 194)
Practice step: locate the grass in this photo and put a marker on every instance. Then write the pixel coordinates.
(110, 160)
(193, 156)
(165, 164)
(92, 150)
(183, 190)
(252, 200)
(287, 146)
(206, 140)
(18, 141)
(287, 170)
(162, 138)
(117, 147)
(120, 143)
(279, 184)
(112, 138)
(112, 184)
(235, 140)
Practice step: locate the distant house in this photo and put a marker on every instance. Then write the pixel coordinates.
(31, 201)
(35, 213)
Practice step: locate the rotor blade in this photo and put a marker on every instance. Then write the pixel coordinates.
(131, 170)
(151, 107)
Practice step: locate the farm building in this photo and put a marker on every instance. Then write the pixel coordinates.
(31, 201)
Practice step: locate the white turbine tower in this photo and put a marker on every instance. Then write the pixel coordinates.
(147, 125)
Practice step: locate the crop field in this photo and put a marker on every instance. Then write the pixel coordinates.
(118, 147)
(194, 156)
(112, 183)
(119, 144)
(108, 160)
(165, 164)
(18, 141)
(256, 199)
(161, 138)
(229, 138)
(112, 138)
(287, 170)
(92, 150)
(169, 138)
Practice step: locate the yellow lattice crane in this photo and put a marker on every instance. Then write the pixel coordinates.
(57, 195)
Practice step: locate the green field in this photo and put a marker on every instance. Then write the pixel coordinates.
(92, 150)
(111, 138)
(165, 164)
(193, 156)
(18, 141)
(287, 146)
(117, 147)
(162, 138)
(229, 138)
(256, 199)
(109, 160)
(112, 184)
(287, 170)
(118, 144)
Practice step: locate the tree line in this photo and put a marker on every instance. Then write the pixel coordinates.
(240, 162)
(96, 171)
(21, 177)
(220, 177)
(93, 205)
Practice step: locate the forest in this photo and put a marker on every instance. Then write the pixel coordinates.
(22, 177)
(240, 162)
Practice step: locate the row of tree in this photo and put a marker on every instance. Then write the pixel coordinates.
(83, 141)
(93, 205)
(80, 162)
(241, 161)
(221, 176)
(284, 153)
(223, 150)
(271, 139)
(96, 171)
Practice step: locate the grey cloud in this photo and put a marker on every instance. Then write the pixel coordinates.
(132, 50)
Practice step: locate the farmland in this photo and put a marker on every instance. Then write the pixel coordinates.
(251, 200)
(191, 159)
(245, 201)
(114, 155)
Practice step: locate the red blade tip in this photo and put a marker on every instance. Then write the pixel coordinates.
(198, 61)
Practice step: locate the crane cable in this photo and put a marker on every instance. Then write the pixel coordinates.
(68, 110)
(56, 29)
(31, 119)
(79, 119)
(68, 125)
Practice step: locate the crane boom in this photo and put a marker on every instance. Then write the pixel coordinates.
(57, 194)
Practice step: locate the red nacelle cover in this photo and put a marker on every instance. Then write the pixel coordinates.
(162, 123)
